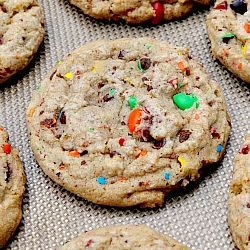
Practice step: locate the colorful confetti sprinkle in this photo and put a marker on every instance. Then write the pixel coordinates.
(101, 180)
(167, 176)
(219, 148)
(132, 102)
(68, 75)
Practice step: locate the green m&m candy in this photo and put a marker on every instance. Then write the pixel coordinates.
(184, 101)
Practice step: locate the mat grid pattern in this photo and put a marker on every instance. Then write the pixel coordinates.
(52, 215)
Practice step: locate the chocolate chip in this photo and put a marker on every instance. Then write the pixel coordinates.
(83, 162)
(184, 135)
(144, 79)
(149, 87)
(107, 98)
(226, 39)
(239, 6)
(84, 152)
(101, 84)
(211, 103)
(145, 135)
(113, 153)
(8, 173)
(244, 150)
(248, 205)
(58, 174)
(41, 112)
(1, 40)
(122, 54)
(48, 122)
(159, 144)
(145, 63)
(62, 117)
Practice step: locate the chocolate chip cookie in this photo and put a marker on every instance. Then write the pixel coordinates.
(239, 197)
(21, 33)
(134, 11)
(124, 122)
(12, 181)
(124, 237)
(228, 27)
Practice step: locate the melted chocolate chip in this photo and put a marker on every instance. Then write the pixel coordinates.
(144, 79)
(83, 162)
(48, 122)
(226, 39)
(248, 205)
(41, 112)
(145, 135)
(62, 117)
(113, 153)
(122, 54)
(101, 84)
(149, 87)
(1, 40)
(107, 97)
(159, 144)
(239, 6)
(84, 152)
(184, 135)
(145, 63)
(8, 173)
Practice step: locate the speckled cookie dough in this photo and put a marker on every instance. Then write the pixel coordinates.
(123, 237)
(228, 28)
(124, 122)
(135, 12)
(239, 198)
(12, 181)
(21, 32)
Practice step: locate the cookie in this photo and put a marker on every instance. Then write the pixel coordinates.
(21, 32)
(238, 199)
(135, 12)
(124, 122)
(228, 28)
(12, 181)
(123, 237)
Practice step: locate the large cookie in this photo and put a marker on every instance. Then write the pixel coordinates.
(134, 11)
(123, 122)
(239, 197)
(21, 32)
(228, 27)
(124, 237)
(12, 181)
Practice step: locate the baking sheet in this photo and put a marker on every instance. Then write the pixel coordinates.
(52, 215)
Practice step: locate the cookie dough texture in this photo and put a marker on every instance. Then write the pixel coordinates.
(134, 11)
(232, 51)
(103, 123)
(238, 200)
(123, 237)
(21, 32)
(12, 181)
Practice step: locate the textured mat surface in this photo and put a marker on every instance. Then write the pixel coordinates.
(52, 215)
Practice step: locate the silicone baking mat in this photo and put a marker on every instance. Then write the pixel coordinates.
(52, 215)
